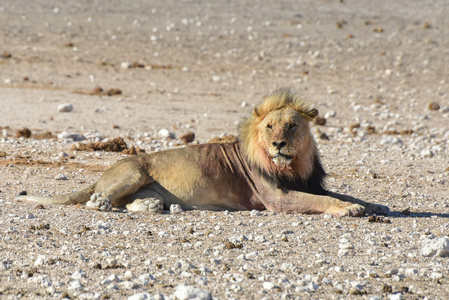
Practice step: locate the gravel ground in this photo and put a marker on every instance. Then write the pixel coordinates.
(151, 71)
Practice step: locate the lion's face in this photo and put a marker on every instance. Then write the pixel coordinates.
(284, 133)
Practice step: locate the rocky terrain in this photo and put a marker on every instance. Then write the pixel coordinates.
(157, 74)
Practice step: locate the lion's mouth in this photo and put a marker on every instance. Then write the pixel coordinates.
(282, 159)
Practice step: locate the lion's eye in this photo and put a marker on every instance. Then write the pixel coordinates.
(269, 126)
(292, 126)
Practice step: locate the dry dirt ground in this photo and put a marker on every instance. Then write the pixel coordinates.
(376, 70)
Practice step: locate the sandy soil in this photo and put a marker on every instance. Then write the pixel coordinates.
(376, 70)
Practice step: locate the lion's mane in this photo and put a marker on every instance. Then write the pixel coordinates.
(305, 173)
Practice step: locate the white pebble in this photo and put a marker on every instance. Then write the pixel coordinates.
(411, 272)
(41, 259)
(267, 285)
(145, 279)
(165, 133)
(176, 209)
(330, 114)
(128, 275)
(436, 276)
(114, 278)
(125, 65)
(79, 274)
(427, 153)
(140, 296)
(60, 177)
(389, 139)
(184, 292)
(438, 247)
(397, 296)
(73, 136)
(342, 252)
(65, 107)
(255, 213)
(312, 286)
(75, 285)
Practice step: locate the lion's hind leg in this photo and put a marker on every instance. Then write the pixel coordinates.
(118, 183)
(145, 200)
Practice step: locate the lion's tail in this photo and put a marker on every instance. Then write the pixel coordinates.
(73, 198)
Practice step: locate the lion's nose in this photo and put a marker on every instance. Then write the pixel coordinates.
(279, 145)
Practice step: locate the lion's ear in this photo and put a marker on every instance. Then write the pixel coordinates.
(256, 112)
(310, 114)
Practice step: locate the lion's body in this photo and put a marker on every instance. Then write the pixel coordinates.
(274, 166)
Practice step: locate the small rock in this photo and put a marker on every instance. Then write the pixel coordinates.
(255, 213)
(41, 259)
(60, 177)
(75, 285)
(330, 114)
(29, 216)
(427, 153)
(25, 132)
(144, 296)
(176, 209)
(438, 247)
(436, 276)
(114, 278)
(433, 106)
(128, 275)
(73, 136)
(65, 107)
(267, 285)
(125, 65)
(411, 272)
(323, 136)
(397, 296)
(312, 286)
(165, 133)
(320, 121)
(188, 137)
(79, 274)
(389, 139)
(354, 291)
(342, 252)
(146, 279)
(184, 292)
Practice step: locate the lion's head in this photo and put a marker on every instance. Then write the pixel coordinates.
(276, 138)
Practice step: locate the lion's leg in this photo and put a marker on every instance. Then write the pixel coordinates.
(298, 202)
(121, 180)
(145, 200)
(371, 208)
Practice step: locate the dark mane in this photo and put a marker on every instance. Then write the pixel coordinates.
(314, 184)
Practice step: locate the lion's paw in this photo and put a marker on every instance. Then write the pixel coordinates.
(149, 204)
(99, 202)
(377, 209)
(352, 210)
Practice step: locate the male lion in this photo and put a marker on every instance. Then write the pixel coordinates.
(274, 166)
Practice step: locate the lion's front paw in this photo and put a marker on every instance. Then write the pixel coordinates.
(149, 204)
(99, 202)
(352, 210)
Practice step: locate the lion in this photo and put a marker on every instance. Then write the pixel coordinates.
(274, 165)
